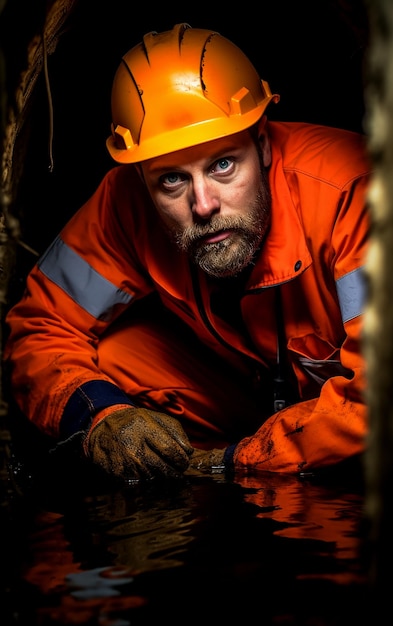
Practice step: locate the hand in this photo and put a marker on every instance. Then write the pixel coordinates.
(207, 460)
(136, 444)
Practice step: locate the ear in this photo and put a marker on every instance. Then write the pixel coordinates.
(264, 141)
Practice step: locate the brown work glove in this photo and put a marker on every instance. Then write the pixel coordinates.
(208, 461)
(136, 443)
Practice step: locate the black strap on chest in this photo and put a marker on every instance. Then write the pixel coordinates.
(280, 382)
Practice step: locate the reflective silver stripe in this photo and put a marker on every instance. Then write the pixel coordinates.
(80, 281)
(351, 294)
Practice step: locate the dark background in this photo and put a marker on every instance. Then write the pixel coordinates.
(311, 52)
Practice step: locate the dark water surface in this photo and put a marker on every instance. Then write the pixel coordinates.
(209, 549)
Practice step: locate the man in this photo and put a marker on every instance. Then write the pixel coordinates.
(203, 308)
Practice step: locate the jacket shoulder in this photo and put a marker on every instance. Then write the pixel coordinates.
(333, 155)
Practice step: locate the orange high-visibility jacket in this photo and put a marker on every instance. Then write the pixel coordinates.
(113, 252)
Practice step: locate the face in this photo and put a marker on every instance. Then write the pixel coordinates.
(214, 200)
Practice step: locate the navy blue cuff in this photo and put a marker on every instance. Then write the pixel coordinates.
(86, 402)
(228, 456)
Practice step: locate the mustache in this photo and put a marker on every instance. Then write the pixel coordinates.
(215, 225)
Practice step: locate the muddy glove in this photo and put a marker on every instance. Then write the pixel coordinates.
(208, 461)
(135, 444)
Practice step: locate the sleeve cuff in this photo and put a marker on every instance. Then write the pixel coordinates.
(86, 402)
(228, 456)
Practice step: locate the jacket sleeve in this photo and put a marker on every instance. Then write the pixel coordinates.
(312, 434)
(88, 276)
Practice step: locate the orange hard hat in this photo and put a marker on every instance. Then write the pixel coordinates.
(181, 88)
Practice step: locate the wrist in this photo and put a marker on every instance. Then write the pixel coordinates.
(97, 419)
(228, 456)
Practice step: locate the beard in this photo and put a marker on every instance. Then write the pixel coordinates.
(229, 257)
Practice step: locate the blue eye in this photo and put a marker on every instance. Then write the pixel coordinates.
(223, 164)
(170, 179)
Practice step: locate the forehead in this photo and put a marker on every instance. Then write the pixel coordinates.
(207, 151)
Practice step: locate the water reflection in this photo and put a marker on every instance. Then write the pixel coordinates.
(328, 516)
(206, 546)
(144, 534)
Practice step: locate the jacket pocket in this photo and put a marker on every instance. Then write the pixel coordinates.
(315, 361)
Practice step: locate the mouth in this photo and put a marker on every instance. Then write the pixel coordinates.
(216, 237)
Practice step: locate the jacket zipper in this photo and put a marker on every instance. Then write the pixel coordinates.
(279, 381)
(257, 377)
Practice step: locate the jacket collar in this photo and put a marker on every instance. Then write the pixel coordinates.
(284, 253)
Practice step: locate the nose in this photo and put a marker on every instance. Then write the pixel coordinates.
(205, 200)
